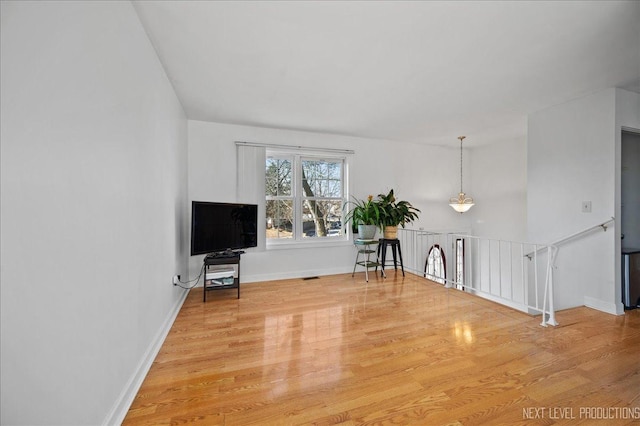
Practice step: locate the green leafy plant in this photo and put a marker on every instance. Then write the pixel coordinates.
(395, 213)
(364, 212)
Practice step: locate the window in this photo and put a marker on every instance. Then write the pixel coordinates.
(305, 196)
(460, 264)
(435, 266)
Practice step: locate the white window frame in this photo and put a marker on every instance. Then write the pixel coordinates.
(460, 264)
(431, 268)
(298, 198)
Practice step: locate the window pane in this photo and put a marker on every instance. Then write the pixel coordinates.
(279, 219)
(459, 263)
(321, 218)
(278, 177)
(335, 173)
(434, 268)
(322, 178)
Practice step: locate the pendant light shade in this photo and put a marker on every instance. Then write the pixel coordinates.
(461, 203)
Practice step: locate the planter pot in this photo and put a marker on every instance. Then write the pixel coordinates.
(366, 232)
(391, 232)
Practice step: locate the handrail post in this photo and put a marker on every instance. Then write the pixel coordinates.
(552, 312)
(546, 289)
(535, 273)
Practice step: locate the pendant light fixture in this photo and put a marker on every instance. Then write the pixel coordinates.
(461, 203)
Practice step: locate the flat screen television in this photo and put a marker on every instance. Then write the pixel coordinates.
(220, 227)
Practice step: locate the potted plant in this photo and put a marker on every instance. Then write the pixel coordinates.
(395, 213)
(364, 217)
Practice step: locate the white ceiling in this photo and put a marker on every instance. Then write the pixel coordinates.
(407, 71)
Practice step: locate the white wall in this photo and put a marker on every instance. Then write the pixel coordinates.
(93, 163)
(499, 177)
(423, 175)
(571, 157)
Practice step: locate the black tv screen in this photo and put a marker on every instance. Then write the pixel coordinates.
(217, 227)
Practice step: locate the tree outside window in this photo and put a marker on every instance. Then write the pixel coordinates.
(304, 197)
(279, 192)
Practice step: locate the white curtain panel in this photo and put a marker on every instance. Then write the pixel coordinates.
(250, 183)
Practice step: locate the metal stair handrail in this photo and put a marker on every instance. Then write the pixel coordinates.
(604, 225)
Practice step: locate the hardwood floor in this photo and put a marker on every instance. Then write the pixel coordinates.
(401, 351)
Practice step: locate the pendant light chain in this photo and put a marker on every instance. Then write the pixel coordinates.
(461, 138)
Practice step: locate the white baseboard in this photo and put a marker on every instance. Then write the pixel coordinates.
(120, 408)
(296, 274)
(600, 305)
(499, 300)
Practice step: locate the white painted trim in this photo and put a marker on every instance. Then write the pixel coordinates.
(601, 305)
(121, 406)
(295, 147)
(501, 301)
(298, 274)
